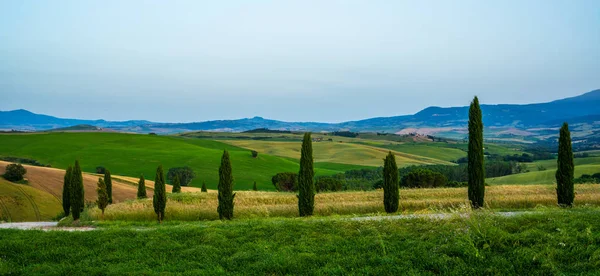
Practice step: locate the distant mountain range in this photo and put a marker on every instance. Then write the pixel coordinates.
(501, 121)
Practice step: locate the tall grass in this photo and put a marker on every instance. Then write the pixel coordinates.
(250, 204)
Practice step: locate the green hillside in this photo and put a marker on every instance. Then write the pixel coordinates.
(19, 202)
(541, 177)
(135, 154)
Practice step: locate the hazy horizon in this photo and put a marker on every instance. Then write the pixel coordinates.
(315, 61)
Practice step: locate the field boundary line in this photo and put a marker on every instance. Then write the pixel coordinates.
(5, 209)
(35, 208)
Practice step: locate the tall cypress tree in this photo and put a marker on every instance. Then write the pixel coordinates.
(306, 185)
(566, 169)
(77, 192)
(141, 192)
(102, 201)
(203, 189)
(176, 184)
(108, 183)
(159, 201)
(391, 193)
(254, 188)
(226, 195)
(475, 166)
(66, 195)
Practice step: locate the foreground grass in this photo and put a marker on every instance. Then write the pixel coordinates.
(544, 243)
(248, 204)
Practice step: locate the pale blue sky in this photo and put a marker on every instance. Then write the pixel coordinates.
(326, 61)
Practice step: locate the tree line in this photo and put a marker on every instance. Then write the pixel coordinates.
(303, 182)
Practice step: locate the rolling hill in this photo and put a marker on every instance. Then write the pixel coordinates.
(19, 202)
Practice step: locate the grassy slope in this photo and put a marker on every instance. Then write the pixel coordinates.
(132, 155)
(551, 242)
(589, 165)
(19, 202)
(335, 152)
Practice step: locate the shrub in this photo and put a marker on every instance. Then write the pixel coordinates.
(176, 185)
(285, 182)
(254, 188)
(203, 189)
(254, 153)
(328, 184)
(100, 170)
(186, 174)
(14, 172)
(141, 192)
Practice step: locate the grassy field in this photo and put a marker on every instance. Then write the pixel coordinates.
(19, 202)
(335, 152)
(133, 155)
(541, 177)
(249, 204)
(545, 242)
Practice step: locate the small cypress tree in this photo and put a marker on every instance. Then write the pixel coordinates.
(141, 192)
(77, 192)
(176, 184)
(475, 166)
(254, 188)
(306, 185)
(66, 195)
(203, 189)
(102, 196)
(108, 182)
(391, 193)
(566, 169)
(226, 195)
(159, 201)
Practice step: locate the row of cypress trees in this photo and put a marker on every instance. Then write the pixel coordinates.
(73, 193)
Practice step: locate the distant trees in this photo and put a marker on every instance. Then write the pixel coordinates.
(424, 178)
(108, 183)
(176, 185)
(254, 153)
(14, 172)
(186, 175)
(159, 200)
(566, 168)
(306, 186)
(254, 188)
(475, 166)
(100, 170)
(226, 195)
(285, 182)
(391, 194)
(203, 189)
(328, 184)
(66, 194)
(102, 201)
(141, 192)
(77, 192)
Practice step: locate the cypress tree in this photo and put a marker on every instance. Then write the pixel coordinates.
(566, 169)
(226, 195)
(306, 186)
(159, 201)
(203, 189)
(475, 166)
(102, 196)
(391, 193)
(108, 182)
(141, 192)
(254, 188)
(77, 192)
(66, 195)
(176, 184)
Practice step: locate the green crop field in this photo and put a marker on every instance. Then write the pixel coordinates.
(543, 242)
(541, 177)
(134, 154)
(19, 202)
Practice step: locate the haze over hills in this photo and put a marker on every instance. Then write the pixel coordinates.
(502, 120)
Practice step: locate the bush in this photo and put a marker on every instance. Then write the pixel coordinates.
(186, 174)
(254, 153)
(328, 184)
(100, 170)
(14, 172)
(20, 160)
(423, 178)
(285, 182)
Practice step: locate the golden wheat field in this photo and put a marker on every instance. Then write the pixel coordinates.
(251, 204)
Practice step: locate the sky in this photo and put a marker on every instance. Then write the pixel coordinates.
(325, 61)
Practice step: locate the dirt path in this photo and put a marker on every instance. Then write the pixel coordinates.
(42, 225)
